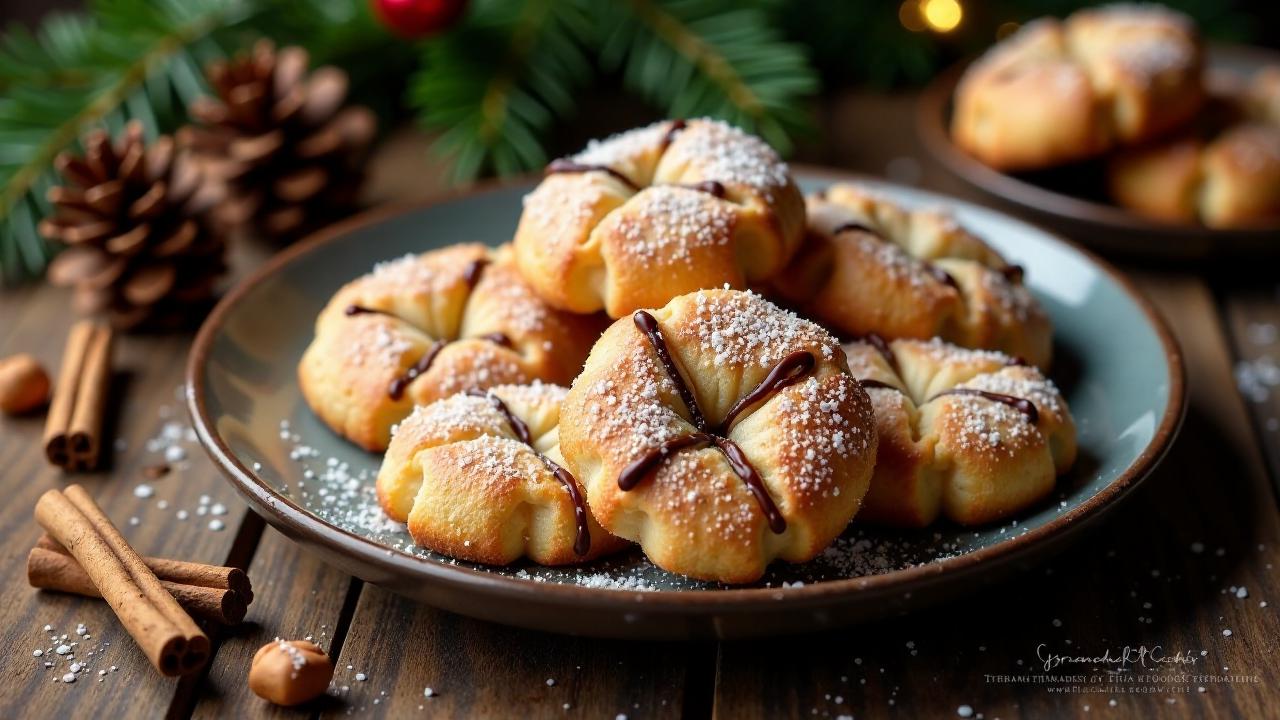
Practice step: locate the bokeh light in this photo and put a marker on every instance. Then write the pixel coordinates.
(941, 15)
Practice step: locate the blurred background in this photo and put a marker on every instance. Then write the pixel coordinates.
(463, 89)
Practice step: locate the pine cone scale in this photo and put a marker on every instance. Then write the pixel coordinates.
(281, 138)
(136, 234)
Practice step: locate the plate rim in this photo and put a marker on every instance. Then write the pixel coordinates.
(932, 107)
(297, 523)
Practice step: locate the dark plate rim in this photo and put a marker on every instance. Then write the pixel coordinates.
(933, 110)
(298, 523)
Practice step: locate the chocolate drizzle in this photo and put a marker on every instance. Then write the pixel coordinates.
(362, 310)
(881, 345)
(669, 137)
(869, 383)
(1022, 405)
(397, 387)
(582, 540)
(1012, 273)
(648, 324)
(787, 372)
(473, 272)
(939, 274)
(855, 226)
(565, 165)
(710, 187)
(497, 338)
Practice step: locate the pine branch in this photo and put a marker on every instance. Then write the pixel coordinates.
(711, 57)
(494, 85)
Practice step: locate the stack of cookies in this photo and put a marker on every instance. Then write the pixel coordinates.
(678, 350)
(1125, 84)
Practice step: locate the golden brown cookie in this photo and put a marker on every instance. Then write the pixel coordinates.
(657, 212)
(427, 326)
(969, 435)
(1061, 91)
(720, 432)
(869, 266)
(478, 476)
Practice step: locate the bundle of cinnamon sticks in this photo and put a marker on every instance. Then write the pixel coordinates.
(84, 544)
(73, 429)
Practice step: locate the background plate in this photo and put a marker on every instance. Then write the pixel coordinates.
(1116, 363)
(1069, 199)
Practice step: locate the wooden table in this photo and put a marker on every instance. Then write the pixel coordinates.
(1164, 570)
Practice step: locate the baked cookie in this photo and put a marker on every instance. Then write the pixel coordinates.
(720, 432)
(1061, 91)
(659, 211)
(478, 476)
(425, 327)
(1224, 172)
(970, 435)
(869, 265)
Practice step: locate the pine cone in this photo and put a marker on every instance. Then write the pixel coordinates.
(132, 215)
(289, 152)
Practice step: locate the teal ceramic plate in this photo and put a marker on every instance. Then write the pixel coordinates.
(1117, 364)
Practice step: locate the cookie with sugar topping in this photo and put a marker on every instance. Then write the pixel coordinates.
(870, 265)
(721, 433)
(639, 218)
(478, 476)
(1062, 91)
(424, 327)
(970, 435)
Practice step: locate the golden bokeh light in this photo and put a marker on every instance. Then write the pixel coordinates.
(910, 17)
(941, 15)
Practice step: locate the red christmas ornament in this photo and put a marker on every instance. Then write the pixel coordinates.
(415, 19)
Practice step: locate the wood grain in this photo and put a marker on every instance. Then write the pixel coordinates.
(296, 596)
(480, 669)
(144, 397)
(1090, 599)
(1253, 317)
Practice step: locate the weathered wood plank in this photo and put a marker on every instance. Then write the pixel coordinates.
(1253, 317)
(479, 669)
(1156, 574)
(144, 403)
(297, 596)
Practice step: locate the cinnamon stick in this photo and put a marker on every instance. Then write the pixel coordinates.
(52, 570)
(84, 435)
(170, 639)
(181, 572)
(73, 428)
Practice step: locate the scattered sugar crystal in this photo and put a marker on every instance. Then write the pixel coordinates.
(216, 525)
(175, 453)
(361, 677)
(964, 711)
(63, 649)
(69, 678)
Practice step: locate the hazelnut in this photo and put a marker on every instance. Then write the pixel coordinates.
(290, 672)
(24, 385)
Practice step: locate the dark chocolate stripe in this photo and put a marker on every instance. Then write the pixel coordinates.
(565, 165)
(710, 187)
(398, 386)
(1022, 405)
(648, 324)
(473, 272)
(745, 470)
(582, 538)
(856, 226)
(497, 338)
(1012, 273)
(788, 372)
(637, 469)
(669, 137)
(362, 310)
(869, 383)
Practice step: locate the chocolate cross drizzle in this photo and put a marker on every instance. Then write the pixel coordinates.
(397, 387)
(582, 541)
(569, 165)
(1022, 405)
(787, 372)
(934, 271)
